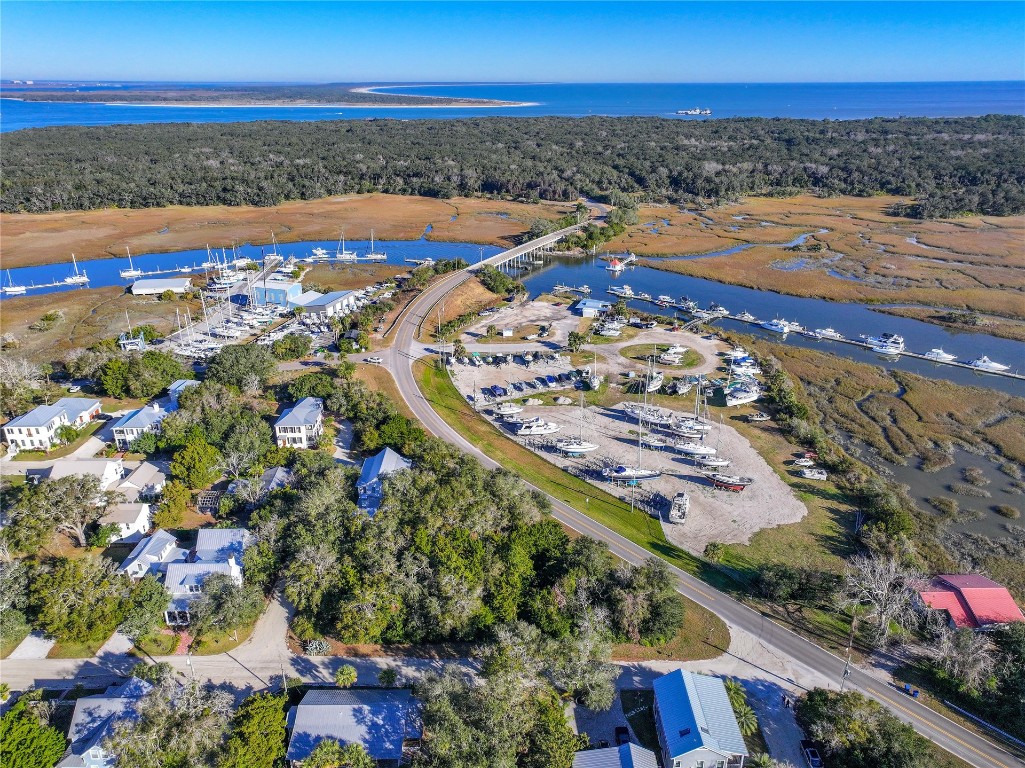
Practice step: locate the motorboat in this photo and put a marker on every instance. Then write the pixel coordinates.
(319, 254)
(985, 364)
(804, 462)
(622, 290)
(655, 382)
(829, 333)
(757, 417)
(747, 317)
(718, 309)
(735, 483)
(680, 387)
(888, 350)
(648, 414)
(749, 369)
(811, 334)
(814, 473)
(644, 296)
(939, 356)
(667, 359)
(737, 353)
(622, 472)
(777, 326)
(680, 506)
(519, 421)
(508, 409)
(676, 349)
(686, 304)
(695, 449)
(574, 446)
(544, 428)
(885, 341)
(666, 300)
(742, 396)
(609, 331)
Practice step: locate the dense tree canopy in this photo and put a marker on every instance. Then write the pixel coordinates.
(944, 166)
(26, 742)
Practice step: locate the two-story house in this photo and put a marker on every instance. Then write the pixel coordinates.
(218, 550)
(37, 429)
(152, 555)
(94, 720)
(301, 425)
(139, 422)
(695, 722)
(375, 469)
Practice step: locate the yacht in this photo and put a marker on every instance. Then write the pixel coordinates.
(777, 326)
(737, 353)
(680, 387)
(319, 254)
(341, 253)
(985, 364)
(518, 421)
(695, 449)
(718, 309)
(829, 333)
(575, 445)
(374, 255)
(508, 409)
(888, 350)
(757, 417)
(742, 396)
(623, 290)
(735, 483)
(747, 317)
(939, 356)
(667, 359)
(680, 507)
(814, 473)
(544, 428)
(665, 300)
(623, 472)
(676, 349)
(686, 304)
(886, 341)
(11, 289)
(811, 334)
(132, 270)
(648, 414)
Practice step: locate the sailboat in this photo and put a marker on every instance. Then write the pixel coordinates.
(11, 289)
(735, 483)
(372, 255)
(78, 277)
(714, 461)
(132, 270)
(622, 472)
(341, 253)
(577, 445)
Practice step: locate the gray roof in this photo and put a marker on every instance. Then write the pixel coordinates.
(696, 712)
(180, 576)
(149, 547)
(306, 298)
(124, 513)
(180, 384)
(95, 716)
(305, 412)
(378, 719)
(592, 304)
(145, 475)
(380, 465)
(216, 545)
(329, 299)
(624, 756)
(143, 418)
(275, 478)
(39, 416)
(69, 467)
(76, 406)
(162, 284)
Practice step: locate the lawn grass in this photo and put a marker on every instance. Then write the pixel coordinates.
(13, 641)
(221, 642)
(641, 353)
(158, 644)
(65, 450)
(639, 708)
(702, 636)
(379, 379)
(76, 649)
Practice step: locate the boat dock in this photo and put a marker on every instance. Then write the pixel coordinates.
(581, 289)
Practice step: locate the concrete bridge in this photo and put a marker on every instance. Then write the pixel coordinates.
(528, 252)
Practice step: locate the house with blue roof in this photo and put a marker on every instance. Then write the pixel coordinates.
(382, 720)
(695, 722)
(624, 756)
(132, 425)
(591, 307)
(375, 469)
(94, 720)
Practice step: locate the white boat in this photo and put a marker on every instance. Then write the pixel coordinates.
(680, 507)
(319, 254)
(689, 425)
(718, 309)
(655, 382)
(747, 317)
(829, 333)
(132, 270)
(623, 290)
(777, 326)
(813, 473)
(648, 414)
(888, 350)
(939, 356)
(653, 441)
(609, 331)
(985, 364)
(735, 483)
(676, 349)
(644, 296)
(544, 428)
(623, 472)
(521, 420)
(742, 396)
(341, 253)
(508, 409)
(712, 461)
(665, 299)
(758, 417)
(667, 359)
(748, 369)
(695, 449)
(11, 289)
(680, 387)
(804, 462)
(811, 334)
(574, 445)
(886, 341)
(78, 277)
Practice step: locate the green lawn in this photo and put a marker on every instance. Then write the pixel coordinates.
(64, 450)
(157, 645)
(641, 353)
(75, 649)
(221, 642)
(12, 642)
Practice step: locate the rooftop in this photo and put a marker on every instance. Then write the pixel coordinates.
(304, 413)
(39, 416)
(329, 298)
(107, 470)
(181, 576)
(380, 720)
(695, 712)
(95, 716)
(217, 545)
(306, 298)
(76, 406)
(123, 513)
(624, 756)
(972, 600)
(383, 463)
(162, 284)
(592, 304)
(143, 418)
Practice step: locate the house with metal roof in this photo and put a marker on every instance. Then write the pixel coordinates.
(38, 428)
(219, 545)
(145, 482)
(156, 286)
(132, 520)
(695, 722)
(301, 425)
(107, 471)
(382, 720)
(94, 720)
(332, 304)
(971, 600)
(152, 555)
(175, 388)
(185, 583)
(375, 469)
(132, 425)
(624, 756)
(280, 292)
(591, 307)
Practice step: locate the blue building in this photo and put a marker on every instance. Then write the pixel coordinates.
(591, 307)
(280, 292)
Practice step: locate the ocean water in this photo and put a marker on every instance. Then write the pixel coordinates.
(818, 101)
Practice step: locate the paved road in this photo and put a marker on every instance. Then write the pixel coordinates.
(801, 653)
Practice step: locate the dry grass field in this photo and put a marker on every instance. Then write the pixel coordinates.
(347, 277)
(90, 315)
(976, 263)
(29, 239)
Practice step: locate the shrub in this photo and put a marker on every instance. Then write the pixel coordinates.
(1006, 510)
(318, 646)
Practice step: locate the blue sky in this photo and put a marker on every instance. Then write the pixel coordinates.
(508, 42)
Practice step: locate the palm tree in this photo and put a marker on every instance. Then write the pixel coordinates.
(345, 676)
(747, 721)
(760, 761)
(736, 693)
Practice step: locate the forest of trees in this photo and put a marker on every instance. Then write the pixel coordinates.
(942, 166)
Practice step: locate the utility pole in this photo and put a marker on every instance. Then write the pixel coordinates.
(850, 647)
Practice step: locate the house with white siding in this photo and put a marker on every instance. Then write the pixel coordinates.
(37, 429)
(152, 555)
(94, 720)
(218, 550)
(132, 425)
(375, 469)
(301, 425)
(132, 520)
(107, 471)
(695, 722)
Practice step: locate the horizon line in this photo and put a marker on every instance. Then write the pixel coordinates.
(473, 83)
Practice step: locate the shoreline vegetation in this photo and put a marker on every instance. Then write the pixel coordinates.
(319, 95)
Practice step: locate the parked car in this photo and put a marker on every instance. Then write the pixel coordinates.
(622, 735)
(811, 754)
(74, 388)
(375, 360)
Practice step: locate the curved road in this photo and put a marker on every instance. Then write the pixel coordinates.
(952, 737)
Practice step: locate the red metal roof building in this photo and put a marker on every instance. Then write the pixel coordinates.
(972, 601)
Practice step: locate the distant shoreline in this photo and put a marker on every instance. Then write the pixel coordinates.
(284, 105)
